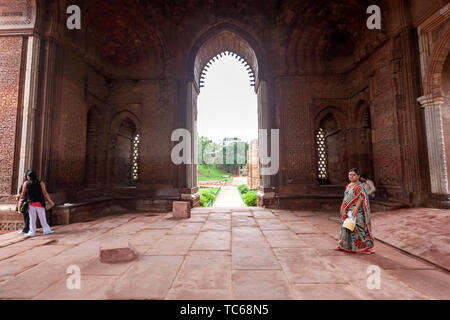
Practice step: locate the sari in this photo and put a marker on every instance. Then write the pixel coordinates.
(360, 239)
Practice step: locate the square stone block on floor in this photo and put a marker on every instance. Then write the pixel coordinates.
(181, 210)
(122, 253)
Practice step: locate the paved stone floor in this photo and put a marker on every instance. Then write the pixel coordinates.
(219, 253)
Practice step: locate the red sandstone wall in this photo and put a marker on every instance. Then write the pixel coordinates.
(81, 87)
(154, 104)
(10, 60)
(385, 133)
(159, 104)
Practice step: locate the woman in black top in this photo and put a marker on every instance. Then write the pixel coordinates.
(26, 216)
(34, 191)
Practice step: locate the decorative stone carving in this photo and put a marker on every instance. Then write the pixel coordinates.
(10, 60)
(435, 142)
(17, 14)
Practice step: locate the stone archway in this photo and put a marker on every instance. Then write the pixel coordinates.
(226, 38)
(434, 66)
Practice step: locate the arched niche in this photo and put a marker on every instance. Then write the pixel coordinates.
(434, 64)
(124, 129)
(328, 148)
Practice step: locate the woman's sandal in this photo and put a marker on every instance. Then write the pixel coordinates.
(368, 252)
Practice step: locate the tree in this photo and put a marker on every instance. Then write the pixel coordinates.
(207, 150)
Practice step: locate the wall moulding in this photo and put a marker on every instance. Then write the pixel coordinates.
(17, 16)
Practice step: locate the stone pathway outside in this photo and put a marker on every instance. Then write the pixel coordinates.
(228, 197)
(219, 253)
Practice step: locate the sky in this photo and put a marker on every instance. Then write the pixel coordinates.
(227, 103)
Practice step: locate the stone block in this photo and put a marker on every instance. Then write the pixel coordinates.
(181, 209)
(118, 254)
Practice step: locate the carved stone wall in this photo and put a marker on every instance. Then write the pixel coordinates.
(17, 14)
(10, 66)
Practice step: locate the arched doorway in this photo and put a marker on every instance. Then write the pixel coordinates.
(221, 39)
(435, 65)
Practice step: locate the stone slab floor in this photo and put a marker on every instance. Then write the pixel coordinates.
(223, 253)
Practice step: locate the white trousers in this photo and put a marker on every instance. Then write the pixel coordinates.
(32, 211)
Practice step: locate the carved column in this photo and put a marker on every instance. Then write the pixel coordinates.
(435, 141)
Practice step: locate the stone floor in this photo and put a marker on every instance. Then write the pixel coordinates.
(224, 253)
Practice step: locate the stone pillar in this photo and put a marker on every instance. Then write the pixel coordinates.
(435, 141)
(266, 120)
(29, 107)
(49, 88)
(190, 193)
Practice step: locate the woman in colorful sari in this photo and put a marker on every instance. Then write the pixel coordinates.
(356, 203)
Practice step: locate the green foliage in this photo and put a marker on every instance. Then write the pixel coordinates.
(208, 196)
(231, 149)
(243, 189)
(250, 198)
(206, 147)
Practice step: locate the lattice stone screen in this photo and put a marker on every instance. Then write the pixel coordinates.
(135, 156)
(321, 154)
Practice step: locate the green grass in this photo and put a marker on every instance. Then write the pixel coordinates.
(215, 173)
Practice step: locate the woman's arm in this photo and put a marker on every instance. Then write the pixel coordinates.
(356, 208)
(24, 190)
(46, 195)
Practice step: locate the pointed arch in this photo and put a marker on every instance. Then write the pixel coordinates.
(218, 39)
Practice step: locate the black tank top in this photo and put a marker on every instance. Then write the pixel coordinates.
(34, 192)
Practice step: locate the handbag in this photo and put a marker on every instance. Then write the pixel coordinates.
(23, 206)
(350, 222)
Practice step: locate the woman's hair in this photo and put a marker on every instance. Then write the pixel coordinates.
(32, 175)
(355, 170)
